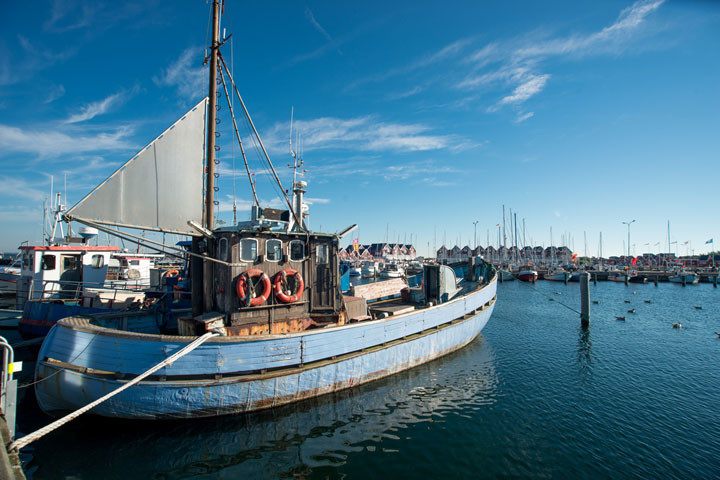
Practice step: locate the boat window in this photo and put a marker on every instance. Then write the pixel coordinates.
(98, 261)
(273, 250)
(223, 249)
(321, 252)
(248, 249)
(70, 263)
(297, 250)
(134, 262)
(48, 262)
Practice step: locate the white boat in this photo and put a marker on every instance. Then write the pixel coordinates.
(369, 270)
(251, 343)
(686, 278)
(616, 276)
(557, 276)
(391, 270)
(355, 271)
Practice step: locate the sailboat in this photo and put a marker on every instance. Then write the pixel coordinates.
(269, 325)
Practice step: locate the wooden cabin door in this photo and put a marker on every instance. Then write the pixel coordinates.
(323, 293)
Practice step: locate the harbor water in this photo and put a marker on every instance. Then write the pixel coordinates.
(534, 396)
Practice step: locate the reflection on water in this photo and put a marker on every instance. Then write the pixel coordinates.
(294, 439)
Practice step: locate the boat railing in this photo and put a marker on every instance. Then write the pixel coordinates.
(8, 385)
(74, 291)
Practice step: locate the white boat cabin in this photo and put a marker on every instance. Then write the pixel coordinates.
(61, 270)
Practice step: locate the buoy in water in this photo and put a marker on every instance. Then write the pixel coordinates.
(648, 301)
(677, 325)
(698, 307)
(627, 301)
(619, 318)
(596, 301)
(632, 310)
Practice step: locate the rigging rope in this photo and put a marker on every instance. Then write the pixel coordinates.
(27, 439)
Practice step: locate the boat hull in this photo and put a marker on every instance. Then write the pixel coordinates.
(276, 369)
(686, 279)
(527, 276)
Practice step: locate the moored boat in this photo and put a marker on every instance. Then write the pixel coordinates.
(557, 276)
(269, 325)
(527, 274)
(686, 278)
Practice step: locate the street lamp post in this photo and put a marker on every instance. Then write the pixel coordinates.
(475, 224)
(628, 225)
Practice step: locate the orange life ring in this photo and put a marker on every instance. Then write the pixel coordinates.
(245, 289)
(281, 278)
(172, 273)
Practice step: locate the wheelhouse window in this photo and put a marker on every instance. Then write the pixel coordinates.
(273, 250)
(248, 249)
(223, 249)
(48, 262)
(97, 261)
(297, 251)
(321, 252)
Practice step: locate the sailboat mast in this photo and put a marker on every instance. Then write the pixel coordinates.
(210, 137)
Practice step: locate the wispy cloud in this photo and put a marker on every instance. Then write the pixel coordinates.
(517, 63)
(361, 133)
(16, 66)
(67, 15)
(524, 116)
(311, 18)
(56, 142)
(186, 74)
(432, 58)
(55, 93)
(15, 187)
(531, 86)
(93, 109)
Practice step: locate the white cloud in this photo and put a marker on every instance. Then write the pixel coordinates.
(93, 109)
(55, 142)
(14, 187)
(516, 63)
(318, 201)
(360, 133)
(532, 86)
(311, 18)
(181, 74)
(521, 118)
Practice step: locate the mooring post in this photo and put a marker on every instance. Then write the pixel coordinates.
(715, 281)
(656, 279)
(565, 277)
(626, 278)
(594, 278)
(585, 299)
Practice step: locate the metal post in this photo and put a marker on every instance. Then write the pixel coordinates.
(585, 299)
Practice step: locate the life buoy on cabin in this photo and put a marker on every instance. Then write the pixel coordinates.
(172, 273)
(245, 288)
(281, 279)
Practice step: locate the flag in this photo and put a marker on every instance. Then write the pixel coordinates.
(709, 241)
(634, 261)
(497, 224)
(356, 247)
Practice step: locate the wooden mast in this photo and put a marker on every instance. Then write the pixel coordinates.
(202, 271)
(210, 137)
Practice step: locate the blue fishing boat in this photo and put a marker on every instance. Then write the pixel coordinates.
(269, 324)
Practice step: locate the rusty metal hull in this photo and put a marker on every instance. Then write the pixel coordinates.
(79, 363)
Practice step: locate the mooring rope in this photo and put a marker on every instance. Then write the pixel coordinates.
(555, 300)
(27, 439)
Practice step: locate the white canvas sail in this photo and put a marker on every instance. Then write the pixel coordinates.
(160, 188)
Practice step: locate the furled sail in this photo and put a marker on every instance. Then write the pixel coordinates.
(160, 188)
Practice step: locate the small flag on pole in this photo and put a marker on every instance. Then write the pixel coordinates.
(709, 241)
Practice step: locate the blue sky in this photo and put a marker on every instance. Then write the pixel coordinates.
(418, 118)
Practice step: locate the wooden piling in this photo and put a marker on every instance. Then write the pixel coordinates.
(656, 279)
(627, 279)
(565, 277)
(594, 278)
(715, 281)
(585, 299)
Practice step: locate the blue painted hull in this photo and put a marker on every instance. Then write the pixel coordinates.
(240, 374)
